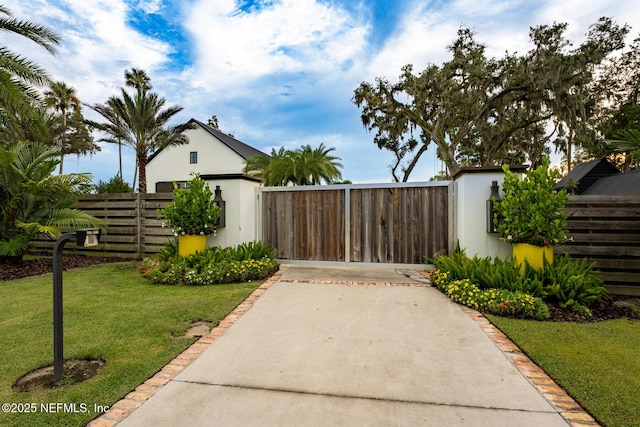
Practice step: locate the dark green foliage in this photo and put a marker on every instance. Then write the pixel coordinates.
(33, 201)
(245, 262)
(504, 302)
(304, 166)
(566, 281)
(114, 185)
(192, 210)
(531, 211)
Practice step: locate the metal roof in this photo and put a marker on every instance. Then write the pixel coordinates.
(586, 174)
(620, 183)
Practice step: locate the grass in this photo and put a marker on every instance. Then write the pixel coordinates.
(596, 363)
(110, 312)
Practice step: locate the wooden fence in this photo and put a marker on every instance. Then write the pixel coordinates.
(606, 230)
(394, 223)
(132, 227)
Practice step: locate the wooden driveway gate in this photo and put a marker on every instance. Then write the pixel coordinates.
(369, 223)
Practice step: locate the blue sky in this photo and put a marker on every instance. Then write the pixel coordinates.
(278, 72)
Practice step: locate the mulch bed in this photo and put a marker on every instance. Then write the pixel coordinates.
(34, 267)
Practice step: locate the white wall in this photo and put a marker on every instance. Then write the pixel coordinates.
(172, 163)
(471, 192)
(240, 196)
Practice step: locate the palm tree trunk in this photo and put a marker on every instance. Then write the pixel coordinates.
(135, 174)
(142, 171)
(120, 156)
(64, 134)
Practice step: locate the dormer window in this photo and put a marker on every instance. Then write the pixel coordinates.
(193, 157)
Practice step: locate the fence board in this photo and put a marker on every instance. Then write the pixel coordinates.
(606, 230)
(388, 224)
(132, 227)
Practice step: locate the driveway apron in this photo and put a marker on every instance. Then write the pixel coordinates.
(320, 348)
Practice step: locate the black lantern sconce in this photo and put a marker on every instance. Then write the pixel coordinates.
(217, 199)
(491, 212)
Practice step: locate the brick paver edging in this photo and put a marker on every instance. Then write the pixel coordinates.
(570, 410)
(352, 282)
(122, 408)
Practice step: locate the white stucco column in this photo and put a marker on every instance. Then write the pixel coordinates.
(472, 189)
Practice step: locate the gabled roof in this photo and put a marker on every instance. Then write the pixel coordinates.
(618, 184)
(585, 174)
(243, 150)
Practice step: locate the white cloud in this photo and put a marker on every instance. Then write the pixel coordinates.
(293, 36)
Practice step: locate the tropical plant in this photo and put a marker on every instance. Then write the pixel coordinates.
(627, 141)
(33, 202)
(114, 185)
(303, 166)
(20, 78)
(245, 262)
(69, 132)
(531, 211)
(566, 281)
(113, 127)
(192, 211)
(140, 122)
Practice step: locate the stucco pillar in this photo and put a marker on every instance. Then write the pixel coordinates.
(472, 189)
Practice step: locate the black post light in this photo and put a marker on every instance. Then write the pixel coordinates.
(491, 212)
(84, 238)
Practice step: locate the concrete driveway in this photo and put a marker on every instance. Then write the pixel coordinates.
(319, 348)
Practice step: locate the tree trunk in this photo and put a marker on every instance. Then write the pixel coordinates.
(142, 172)
(120, 157)
(569, 144)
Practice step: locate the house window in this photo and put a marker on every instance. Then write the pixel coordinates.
(193, 157)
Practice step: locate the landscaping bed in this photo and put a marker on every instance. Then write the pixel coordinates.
(612, 307)
(43, 265)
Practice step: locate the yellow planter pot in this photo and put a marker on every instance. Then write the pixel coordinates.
(188, 245)
(533, 254)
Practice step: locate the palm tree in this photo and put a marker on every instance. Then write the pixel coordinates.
(138, 79)
(627, 142)
(113, 127)
(141, 122)
(304, 166)
(19, 79)
(62, 99)
(34, 202)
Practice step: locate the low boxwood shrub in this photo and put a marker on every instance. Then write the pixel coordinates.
(245, 262)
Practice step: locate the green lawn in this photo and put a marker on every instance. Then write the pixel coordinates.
(598, 364)
(109, 312)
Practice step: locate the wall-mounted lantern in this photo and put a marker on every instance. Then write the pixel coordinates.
(217, 198)
(491, 212)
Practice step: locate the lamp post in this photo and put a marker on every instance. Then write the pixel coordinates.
(84, 238)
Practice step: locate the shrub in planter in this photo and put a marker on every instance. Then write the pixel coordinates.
(192, 211)
(531, 211)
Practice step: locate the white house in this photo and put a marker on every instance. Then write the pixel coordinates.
(219, 159)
